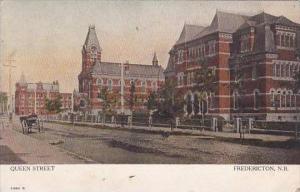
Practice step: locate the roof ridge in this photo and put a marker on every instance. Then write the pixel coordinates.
(108, 62)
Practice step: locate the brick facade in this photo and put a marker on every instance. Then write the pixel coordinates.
(260, 51)
(96, 75)
(30, 98)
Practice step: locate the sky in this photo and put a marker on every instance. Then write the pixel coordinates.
(46, 37)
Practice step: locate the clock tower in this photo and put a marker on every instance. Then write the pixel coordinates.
(91, 50)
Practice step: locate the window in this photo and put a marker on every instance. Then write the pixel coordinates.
(143, 86)
(211, 47)
(99, 82)
(110, 84)
(285, 39)
(212, 100)
(180, 77)
(154, 85)
(254, 72)
(235, 100)
(282, 70)
(278, 70)
(284, 99)
(256, 99)
(288, 72)
(244, 43)
(293, 100)
(289, 99)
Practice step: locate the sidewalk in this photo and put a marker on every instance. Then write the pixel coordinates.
(16, 148)
(220, 135)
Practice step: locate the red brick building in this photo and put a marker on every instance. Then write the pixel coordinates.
(260, 51)
(97, 74)
(31, 97)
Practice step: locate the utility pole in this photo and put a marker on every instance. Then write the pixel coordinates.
(122, 88)
(10, 66)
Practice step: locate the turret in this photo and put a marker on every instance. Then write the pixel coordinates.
(155, 60)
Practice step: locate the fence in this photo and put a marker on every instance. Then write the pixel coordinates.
(237, 125)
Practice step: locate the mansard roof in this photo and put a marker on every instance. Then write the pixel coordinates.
(230, 23)
(134, 70)
(91, 39)
(282, 20)
(263, 18)
(188, 33)
(222, 22)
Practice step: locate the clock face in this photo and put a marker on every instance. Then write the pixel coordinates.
(94, 49)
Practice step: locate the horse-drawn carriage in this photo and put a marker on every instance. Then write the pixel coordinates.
(30, 122)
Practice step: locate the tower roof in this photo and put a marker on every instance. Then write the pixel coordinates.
(154, 58)
(92, 39)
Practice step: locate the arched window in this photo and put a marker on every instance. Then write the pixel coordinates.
(283, 70)
(272, 97)
(283, 99)
(99, 82)
(235, 100)
(256, 99)
(110, 84)
(212, 100)
(143, 86)
(289, 99)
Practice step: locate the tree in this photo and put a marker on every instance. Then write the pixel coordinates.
(132, 97)
(3, 101)
(170, 101)
(296, 88)
(152, 101)
(54, 105)
(205, 82)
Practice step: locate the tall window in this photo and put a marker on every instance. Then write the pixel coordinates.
(99, 82)
(245, 45)
(211, 47)
(212, 100)
(143, 86)
(235, 100)
(283, 99)
(110, 84)
(278, 70)
(274, 70)
(256, 99)
(254, 72)
(93, 54)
